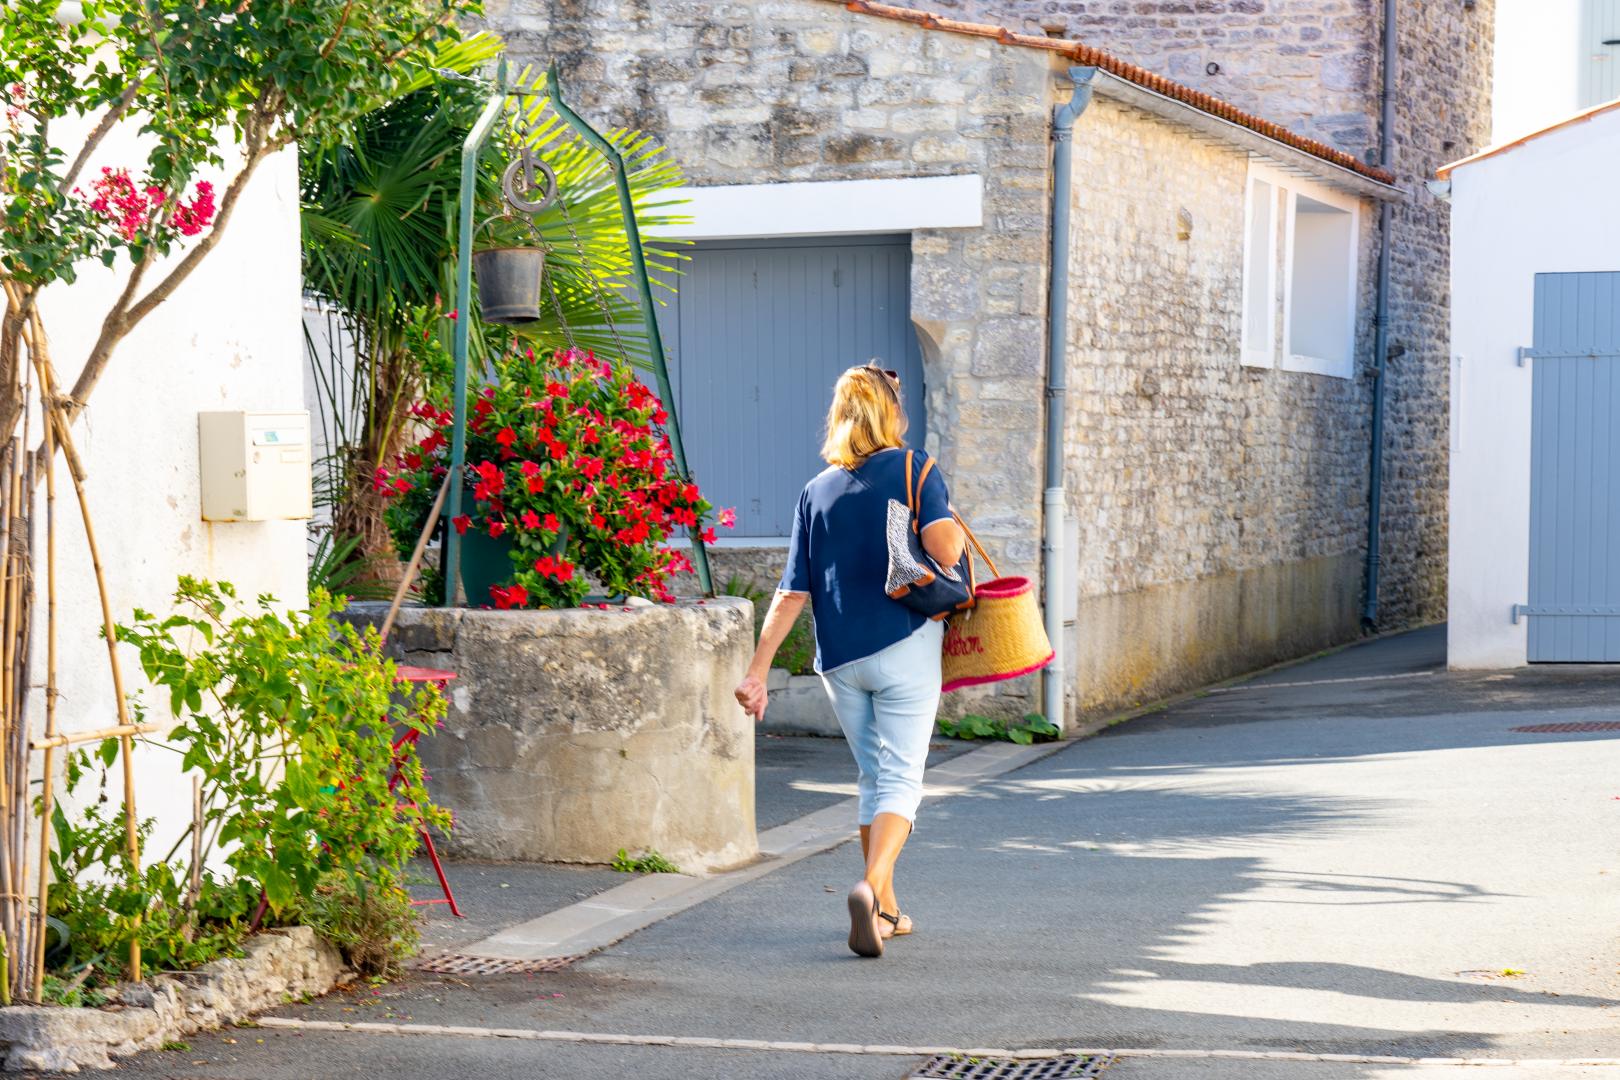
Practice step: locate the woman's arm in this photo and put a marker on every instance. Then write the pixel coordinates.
(785, 608)
(944, 541)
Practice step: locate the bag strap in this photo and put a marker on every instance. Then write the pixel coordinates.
(911, 502)
(916, 506)
(983, 554)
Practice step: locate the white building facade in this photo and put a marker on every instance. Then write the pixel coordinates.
(1535, 459)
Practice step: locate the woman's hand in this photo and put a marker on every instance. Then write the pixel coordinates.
(751, 692)
(752, 696)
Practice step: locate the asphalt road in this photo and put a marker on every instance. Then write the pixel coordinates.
(1373, 862)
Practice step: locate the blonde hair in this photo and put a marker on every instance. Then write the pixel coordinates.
(865, 417)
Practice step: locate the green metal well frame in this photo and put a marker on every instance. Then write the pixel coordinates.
(470, 149)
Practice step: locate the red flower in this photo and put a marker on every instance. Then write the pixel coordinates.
(561, 569)
(461, 524)
(531, 520)
(506, 437)
(728, 518)
(708, 536)
(510, 596)
(529, 469)
(591, 467)
(552, 524)
(496, 527)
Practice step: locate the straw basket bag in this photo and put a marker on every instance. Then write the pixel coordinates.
(1001, 636)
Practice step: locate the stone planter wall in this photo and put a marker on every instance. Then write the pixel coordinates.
(799, 706)
(278, 965)
(572, 734)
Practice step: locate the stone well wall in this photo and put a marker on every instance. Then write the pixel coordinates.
(572, 734)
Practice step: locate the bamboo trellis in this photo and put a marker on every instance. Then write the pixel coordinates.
(22, 934)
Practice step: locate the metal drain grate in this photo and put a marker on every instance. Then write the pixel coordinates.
(962, 1067)
(1571, 728)
(462, 964)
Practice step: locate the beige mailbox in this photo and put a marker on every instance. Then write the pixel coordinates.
(255, 465)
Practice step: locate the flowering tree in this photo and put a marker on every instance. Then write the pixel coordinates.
(567, 462)
(195, 77)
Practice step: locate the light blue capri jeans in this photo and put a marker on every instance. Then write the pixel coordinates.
(886, 705)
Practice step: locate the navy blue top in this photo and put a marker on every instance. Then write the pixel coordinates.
(839, 554)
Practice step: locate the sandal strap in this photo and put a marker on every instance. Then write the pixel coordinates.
(893, 920)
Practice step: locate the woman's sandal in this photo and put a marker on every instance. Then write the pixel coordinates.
(864, 938)
(900, 921)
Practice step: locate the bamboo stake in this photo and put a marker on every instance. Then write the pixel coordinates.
(416, 559)
(49, 792)
(74, 738)
(195, 889)
(20, 757)
(64, 436)
(8, 877)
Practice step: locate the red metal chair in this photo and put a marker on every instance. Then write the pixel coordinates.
(441, 679)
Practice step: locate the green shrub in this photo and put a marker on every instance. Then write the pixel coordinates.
(289, 720)
(369, 920)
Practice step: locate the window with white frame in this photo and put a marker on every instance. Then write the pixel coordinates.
(1299, 275)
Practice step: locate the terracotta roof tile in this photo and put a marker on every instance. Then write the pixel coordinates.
(1091, 56)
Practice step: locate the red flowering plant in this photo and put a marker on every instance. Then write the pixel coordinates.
(567, 461)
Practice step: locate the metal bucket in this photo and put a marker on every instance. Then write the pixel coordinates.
(509, 281)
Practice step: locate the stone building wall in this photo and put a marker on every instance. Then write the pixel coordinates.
(804, 90)
(1316, 66)
(1221, 508)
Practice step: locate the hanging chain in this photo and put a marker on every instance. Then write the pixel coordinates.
(595, 279)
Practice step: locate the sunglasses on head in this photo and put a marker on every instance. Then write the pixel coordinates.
(888, 373)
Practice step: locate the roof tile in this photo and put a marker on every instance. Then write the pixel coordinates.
(1091, 56)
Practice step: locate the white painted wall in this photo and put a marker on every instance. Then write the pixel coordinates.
(229, 338)
(829, 207)
(1544, 207)
(1537, 65)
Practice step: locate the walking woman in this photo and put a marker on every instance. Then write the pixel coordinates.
(880, 661)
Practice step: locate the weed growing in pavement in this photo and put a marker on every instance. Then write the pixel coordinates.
(1033, 728)
(650, 863)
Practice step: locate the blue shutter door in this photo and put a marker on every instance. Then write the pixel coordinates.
(1574, 598)
(757, 333)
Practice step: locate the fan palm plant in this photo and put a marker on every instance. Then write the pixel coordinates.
(379, 219)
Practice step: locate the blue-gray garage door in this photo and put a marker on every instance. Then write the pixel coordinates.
(1574, 601)
(757, 334)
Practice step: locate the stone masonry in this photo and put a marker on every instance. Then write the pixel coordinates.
(788, 90)
(1316, 66)
(1221, 509)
